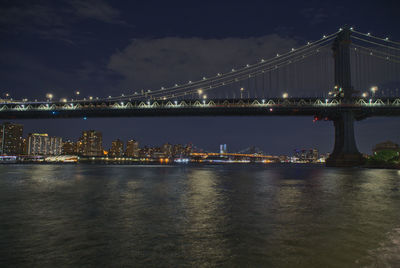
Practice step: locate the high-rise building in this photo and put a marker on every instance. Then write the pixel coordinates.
(222, 149)
(69, 148)
(132, 149)
(178, 150)
(304, 155)
(315, 155)
(42, 144)
(188, 149)
(167, 149)
(91, 143)
(117, 148)
(11, 138)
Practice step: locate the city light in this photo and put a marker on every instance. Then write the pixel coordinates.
(365, 94)
(204, 96)
(49, 96)
(200, 91)
(285, 95)
(77, 93)
(374, 89)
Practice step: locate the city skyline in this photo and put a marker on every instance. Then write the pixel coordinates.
(108, 146)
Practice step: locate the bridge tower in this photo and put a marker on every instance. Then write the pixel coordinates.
(345, 152)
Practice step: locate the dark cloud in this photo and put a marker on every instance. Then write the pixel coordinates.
(176, 60)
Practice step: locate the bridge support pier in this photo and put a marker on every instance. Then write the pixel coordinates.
(345, 152)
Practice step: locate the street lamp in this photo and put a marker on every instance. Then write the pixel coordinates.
(200, 91)
(49, 96)
(285, 95)
(241, 92)
(365, 94)
(373, 90)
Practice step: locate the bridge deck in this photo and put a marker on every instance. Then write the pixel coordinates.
(243, 107)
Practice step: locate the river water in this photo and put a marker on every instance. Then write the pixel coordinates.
(198, 216)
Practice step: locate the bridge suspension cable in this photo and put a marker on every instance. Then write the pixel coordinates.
(242, 77)
(236, 75)
(377, 38)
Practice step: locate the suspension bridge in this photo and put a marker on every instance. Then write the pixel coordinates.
(342, 77)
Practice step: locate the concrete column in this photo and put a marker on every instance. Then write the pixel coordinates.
(345, 152)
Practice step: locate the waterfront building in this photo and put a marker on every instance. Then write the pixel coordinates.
(11, 139)
(188, 149)
(132, 149)
(307, 156)
(222, 149)
(91, 143)
(178, 150)
(69, 148)
(315, 155)
(166, 149)
(117, 148)
(386, 146)
(42, 144)
(24, 146)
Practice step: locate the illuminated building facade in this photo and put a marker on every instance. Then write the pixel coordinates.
(310, 155)
(222, 149)
(166, 149)
(132, 149)
(117, 148)
(42, 144)
(69, 148)
(11, 139)
(91, 143)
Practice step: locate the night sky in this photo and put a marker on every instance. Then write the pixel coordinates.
(103, 48)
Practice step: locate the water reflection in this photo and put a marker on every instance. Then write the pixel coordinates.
(303, 216)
